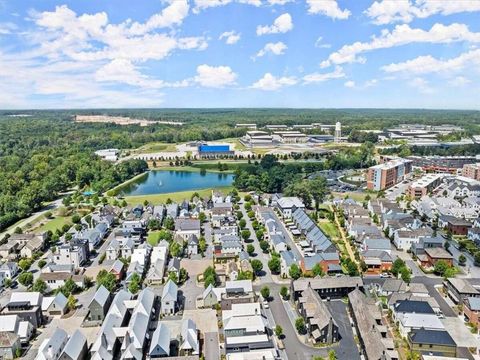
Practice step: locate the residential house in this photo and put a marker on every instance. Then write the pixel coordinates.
(474, 235)
(27, 305)
(320, 324)
(331, 287)
(278, 243)
(192, 245)
(377, 261)
(406, 239)
(160, 344)
(98, 307)
(233, 247)
(76, 347)
(427, 243)
(210, 297)
(245, 328)
(232, 270)
(51, 348)
(73, 253)
(33, 246)
(127, 248)
(113, 250)
(55, 305)
(169, 298)
(287, 259)
(156, 272)
(172, 210)
(391, 286)
(9, 269)
(455, 225)
(14, 325)
(118, 269)
(189, 344)
(9, 343)
(174, 267)
(471, 310)
(411, 315)
(428, 341)
(435, 254)
(460, 289)
(237, 292)
(286, 205)
(107, 343)
(187, 227)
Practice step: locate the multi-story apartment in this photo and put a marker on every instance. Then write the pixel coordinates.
(385, 175)
(472, 171)
(424, 185)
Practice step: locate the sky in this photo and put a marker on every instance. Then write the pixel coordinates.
(240, 53)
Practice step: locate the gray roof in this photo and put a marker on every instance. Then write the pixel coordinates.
(187, 224)
(474, 303)
(243, 255)
(435, 337)
(170, 291)
(101, 295)
(315, 308)
(174, 263)
(75, 345)
(394, 285)
(380, 254)
(277, 239)
(160, 344)
(288, 257)
(378, 244)
(328, 283)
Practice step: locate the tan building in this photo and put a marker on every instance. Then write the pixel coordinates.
(472, 171)
(424, 185)
(383, 176)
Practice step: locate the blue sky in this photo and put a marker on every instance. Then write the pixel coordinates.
(240, 53)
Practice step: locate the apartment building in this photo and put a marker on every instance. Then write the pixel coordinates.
(424, 185)
(471, 171)
(385, 175)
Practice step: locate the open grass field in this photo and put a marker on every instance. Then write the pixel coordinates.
(153, 238)
(357, 196)
(55, 223)
(175, 196)
(329, 229)
(156, 147)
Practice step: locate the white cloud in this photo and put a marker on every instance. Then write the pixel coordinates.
(231, 37)
(319, 44)
(271, 83)
(282, 24)
(388, 11)
(328, 8)
(7, 28)
(402, 35)
(93, 38)
(321, 77)
(278, 2)
(421, 85)
(256, 3)
(124, 71)
(459, 81)
(370, 83)
(215, 76)
(173, 14)
(429, 64)
(205, 4)
(277, 48)
(349, 84)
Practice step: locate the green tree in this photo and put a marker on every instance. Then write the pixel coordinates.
(242, 223)
(477, 258)
(176, 249)
(265, 291)
(76, 218)
(202, 217)
(257, 266)
(462, 260)
(202, 244)
(332, 355)
(25, 264)
(183, 275)
(39, 286)
(70, 287)
(135, 283)
(295, 272)
(41, 263)
(106, 279)
(317, 270)
(246, 234)
(284, 292)
(278, 331)
(209, 276)
(300, 325)
(7, 282)
(397, 266)
(250, 249)
(440, 267)
(274, 265)
(264, 246)
(405, 274)
(71, 302)
(173, 276)
(25, 278)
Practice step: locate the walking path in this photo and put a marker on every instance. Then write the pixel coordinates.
(351, 254)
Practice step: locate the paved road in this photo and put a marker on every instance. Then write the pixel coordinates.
(347, 348)
(266, 276)
(469, 269)
(211, 346)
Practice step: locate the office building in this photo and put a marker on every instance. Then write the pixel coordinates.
(383, 176)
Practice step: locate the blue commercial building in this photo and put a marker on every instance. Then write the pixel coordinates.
(214, 150)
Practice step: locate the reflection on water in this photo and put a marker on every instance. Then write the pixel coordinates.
(166, 181)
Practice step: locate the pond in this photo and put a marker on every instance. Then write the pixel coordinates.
(167, 181)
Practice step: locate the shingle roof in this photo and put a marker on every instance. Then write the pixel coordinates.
(75, 345)
(101, 295)
(412, 306)
(170, 291)
(435, 337)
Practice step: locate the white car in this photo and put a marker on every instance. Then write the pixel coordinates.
(265, 305)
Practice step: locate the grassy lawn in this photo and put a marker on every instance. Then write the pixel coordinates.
(175, 196)
(55, 223)
(238, 145)
(329, 229)
(153, 238)
(156, 147)
(357, 196)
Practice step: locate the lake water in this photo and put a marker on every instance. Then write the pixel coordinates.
(167, 181)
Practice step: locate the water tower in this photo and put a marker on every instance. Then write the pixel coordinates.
(338, 131)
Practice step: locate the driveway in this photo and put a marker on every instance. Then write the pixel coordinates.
(347, 348)
(211, 346)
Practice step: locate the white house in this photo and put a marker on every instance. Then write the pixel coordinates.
(286, 205)
(169, 298)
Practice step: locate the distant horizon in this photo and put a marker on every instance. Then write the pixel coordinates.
(238, 108)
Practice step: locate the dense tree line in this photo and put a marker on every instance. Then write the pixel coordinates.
(405, 150)
(362, 137)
